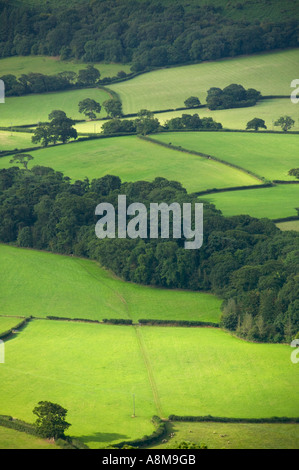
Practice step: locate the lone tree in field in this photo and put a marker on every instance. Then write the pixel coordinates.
(192, 102)
(89, 107)
(285, 122)
(50, 421)
(255, 124)
(22, 159)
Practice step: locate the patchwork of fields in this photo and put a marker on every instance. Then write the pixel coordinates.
(94, 369)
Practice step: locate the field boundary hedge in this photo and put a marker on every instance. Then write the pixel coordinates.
(159, 432)
(234, 188)
(203, 155)
(186, 323)
(286, 219)
(6, 334)
(217, 419)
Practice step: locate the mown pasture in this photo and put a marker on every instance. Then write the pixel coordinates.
(268, 155)
(275, 202)
(66, 286)
(269, 73)
(133, 159)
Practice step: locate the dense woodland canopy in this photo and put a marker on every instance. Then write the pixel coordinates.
(144, 33)
(249, 262)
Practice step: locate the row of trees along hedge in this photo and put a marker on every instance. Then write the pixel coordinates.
(143, 33)
(27, 83)
(249, 262)
(218, 419)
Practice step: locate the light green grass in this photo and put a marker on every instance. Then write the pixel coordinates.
(31, 109)
(268, 155)
(52, 66)
(269, 110)
(15, 140)
(91, 370)
(133, 159)
(201, 371)
(40, 284)
(292, 225)
(6, 323)
(11, 439)
(273, 203)
(234, 436)
(269, 73)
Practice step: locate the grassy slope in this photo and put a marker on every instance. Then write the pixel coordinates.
(294, 225)
(268, 155)
(15, 140)
(31, 109)
(48, 284)
(52, 65)
(273, 203)
(93, 370)
(6, 323)
(269, 110)
(269, 73)
(11, 439)
(133, 159)
(235, 436)
(211, 372)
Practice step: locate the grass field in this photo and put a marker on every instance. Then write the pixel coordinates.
(269, 73)
(6, 323)
(234, 436)
(31, 109)
(292, 225)
(268, 155)
(84, 368)
(15, 140)
(132, 159)
(274, 203)
(11, 439)
(52, 66)
(269, 110)
(48, 284)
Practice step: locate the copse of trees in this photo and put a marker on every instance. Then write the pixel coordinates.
(249, 262)
(232, 96)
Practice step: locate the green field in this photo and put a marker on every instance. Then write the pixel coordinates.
(269, 110)
(31, 109)
(6, 323)
(274, 203)
(234, 436)
(269, 155)
(269, 73)
(133, 159)
(191, 371)
(52, 66)
(11, 439)
(84, 369)
(15, 140)
(66, 286)
(292, 225)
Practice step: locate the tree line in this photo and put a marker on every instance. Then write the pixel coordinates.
(145, 33)
(249, 262)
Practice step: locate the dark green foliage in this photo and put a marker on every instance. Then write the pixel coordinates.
(157, 435)
(145, 34)
(217, 419)
(249, 262)
(232, 96)
(256, 124)
(50, 422)
(191, 122)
